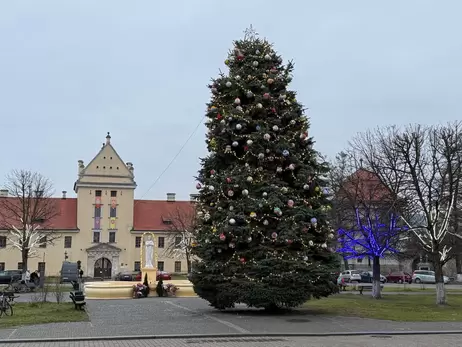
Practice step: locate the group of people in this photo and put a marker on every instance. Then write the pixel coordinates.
(33, 277)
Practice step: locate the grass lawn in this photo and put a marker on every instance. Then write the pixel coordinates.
(406, 289)
(177, 277)
(405, 308)
(35, 313)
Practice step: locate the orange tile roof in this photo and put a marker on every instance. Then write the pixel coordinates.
(65, 218)
(365, 185)
(149, 215)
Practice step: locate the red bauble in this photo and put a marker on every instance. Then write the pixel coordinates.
(246, 148)
(273, 110)
(212, 172)
(240, 57)
(242, 260)
(219, 116)
(222, 237)
(289, 242)
(228, 179)
(266, 96)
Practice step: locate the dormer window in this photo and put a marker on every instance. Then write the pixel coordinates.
(166, 220)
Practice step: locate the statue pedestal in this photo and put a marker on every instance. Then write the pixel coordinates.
(152, 274)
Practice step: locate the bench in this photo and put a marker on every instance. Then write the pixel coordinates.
(78, 298)
(358, 286)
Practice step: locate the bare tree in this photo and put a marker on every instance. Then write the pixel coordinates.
(422, 164)
(27, 213)
(181, 240)
(365, 213)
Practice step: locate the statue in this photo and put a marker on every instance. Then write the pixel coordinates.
(149, 252)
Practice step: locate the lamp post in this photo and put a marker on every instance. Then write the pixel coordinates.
(65, 256)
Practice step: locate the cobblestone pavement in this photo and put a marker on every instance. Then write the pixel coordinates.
(357, 341)
(189, 316)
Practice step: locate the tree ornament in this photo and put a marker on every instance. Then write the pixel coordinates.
(239, 108)
(259, 105)
(230, 193)
(249, 142)
(232, 221)
(279, 169)
(266, 96)
(253, 215)
(249, 239)
(237, 101)
(249, 94)
(292, 167)
(229, 84)
(275, 128)
(219, 250)
(211, 188)
(198, 186)
(207, 216)
(331, 236)
(258, 128)
(212, 172)
(285, 153)
(237, 78)
(238, 126)
(265, 194)
(311, 243)
(314, 222)
(270, 81)
(277, 211)
(228, 149)
(265, 222)
(292, 122)
(290, 203)
(255, 63)
(305, 258)
(289, 242)
(200, 213)
(261, 156)
(245, 192)
(257, 52)
(242, 260)
(284, 190)
(282, 97)
(222, 237)
(324, 245)
(274, 235)
(228, 180)
(306, 186)
(267, 137)
(231, 245)
(231, 207)
(267, 57)
(235, 144)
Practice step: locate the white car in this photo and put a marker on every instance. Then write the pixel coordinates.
(349, 276)
(425, 276)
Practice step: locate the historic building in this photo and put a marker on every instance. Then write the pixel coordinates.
(103, 226)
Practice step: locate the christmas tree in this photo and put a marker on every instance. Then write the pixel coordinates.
(262, 232)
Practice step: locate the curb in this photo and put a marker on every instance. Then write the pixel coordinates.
(215, 336)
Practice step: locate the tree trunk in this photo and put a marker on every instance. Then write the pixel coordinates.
(458, 263)
(376, 290)
(345, 263)
(188, 262)
(24, 259)
(440, 290)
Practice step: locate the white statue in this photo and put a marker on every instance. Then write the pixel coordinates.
(149, 252)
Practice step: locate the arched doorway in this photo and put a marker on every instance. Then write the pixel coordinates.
(103, 268)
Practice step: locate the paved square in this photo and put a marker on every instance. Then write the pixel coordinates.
(190, 316)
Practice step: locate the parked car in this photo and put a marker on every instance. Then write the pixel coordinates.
(128, 276)
(425, 276)
(165, 276)
(366, 277)
(8, 276)
(349, 276)
(399, 277)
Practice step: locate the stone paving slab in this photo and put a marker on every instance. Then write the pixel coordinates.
(192, 316)
(357, 341)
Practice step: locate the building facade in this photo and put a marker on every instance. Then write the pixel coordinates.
(103, 226)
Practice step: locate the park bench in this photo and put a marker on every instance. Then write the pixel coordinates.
(358, 286)
(78, 298)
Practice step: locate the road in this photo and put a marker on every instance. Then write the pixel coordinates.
(357, 341)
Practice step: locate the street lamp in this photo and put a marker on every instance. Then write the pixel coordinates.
(65, 256)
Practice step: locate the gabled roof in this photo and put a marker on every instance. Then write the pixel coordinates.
(64, 219)
(365, 185)
(150, 215)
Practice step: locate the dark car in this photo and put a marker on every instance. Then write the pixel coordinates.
(366, 277)
(129, 276)
(8, 276)
(399, 277)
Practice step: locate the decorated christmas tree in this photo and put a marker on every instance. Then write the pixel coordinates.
(262, 233)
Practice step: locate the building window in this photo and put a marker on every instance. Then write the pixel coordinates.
(98, 211)
(97, 192)
(19, 266)
(138, 242)
(178, 240)
(137, 266)
(161, 242)
(96, 236)
(67, 241)
(113, 212)
(178, 266)
(41, 267)
(160, 265)
(2, 241)
(359, 260)
(43, 242)
(112, 237)
(2, 266)
(113, 193)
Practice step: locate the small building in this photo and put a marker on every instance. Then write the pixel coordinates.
(103, 226)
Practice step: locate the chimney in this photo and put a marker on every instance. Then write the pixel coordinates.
(64, 195)
(108, 138)
(193, 197)
(171, 197)
(3, 193)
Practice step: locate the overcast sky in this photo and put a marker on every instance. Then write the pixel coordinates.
(70, 71)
